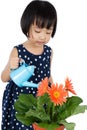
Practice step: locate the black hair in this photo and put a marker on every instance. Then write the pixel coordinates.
(41, 12)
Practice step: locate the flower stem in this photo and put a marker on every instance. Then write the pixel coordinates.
(52, 115)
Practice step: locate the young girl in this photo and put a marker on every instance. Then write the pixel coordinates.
(38, 23)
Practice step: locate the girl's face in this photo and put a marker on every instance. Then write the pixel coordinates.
(39, 36)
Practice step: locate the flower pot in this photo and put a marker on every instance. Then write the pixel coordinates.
(36, 127)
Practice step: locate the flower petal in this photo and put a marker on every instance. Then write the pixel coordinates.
(57, 94)
(43, 87)
(68, 86)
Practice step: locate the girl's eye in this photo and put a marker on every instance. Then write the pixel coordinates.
(48, 33)
(37, 31)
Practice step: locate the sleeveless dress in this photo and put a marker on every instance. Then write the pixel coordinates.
(42, 70)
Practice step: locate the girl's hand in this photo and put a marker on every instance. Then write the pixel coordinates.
(14, 62)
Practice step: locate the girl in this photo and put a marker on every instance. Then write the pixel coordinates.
(38, 23)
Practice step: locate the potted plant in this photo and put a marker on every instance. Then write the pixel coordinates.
(51, 106)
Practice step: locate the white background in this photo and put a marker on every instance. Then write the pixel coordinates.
(69, 44)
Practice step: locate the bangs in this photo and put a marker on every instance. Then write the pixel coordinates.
(44, 22)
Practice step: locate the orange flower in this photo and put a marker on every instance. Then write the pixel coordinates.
(57, 94)
(68, 86)
(43, 87)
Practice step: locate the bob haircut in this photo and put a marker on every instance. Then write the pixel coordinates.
(41, 12)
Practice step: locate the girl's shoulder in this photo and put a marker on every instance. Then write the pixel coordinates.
(18, 46)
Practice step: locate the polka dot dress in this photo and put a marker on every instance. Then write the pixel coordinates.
(42, 70)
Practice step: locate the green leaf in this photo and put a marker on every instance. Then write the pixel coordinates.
(43, 100)
(20, 107)
(40, 115)
(28, 99)
(44, 104)
(69, 107)
(80, 109)
(68, 126)
(25, 102)
(23, 119)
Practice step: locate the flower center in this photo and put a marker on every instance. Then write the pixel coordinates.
(56, 94)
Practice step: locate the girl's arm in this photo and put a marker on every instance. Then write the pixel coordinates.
(13, 63)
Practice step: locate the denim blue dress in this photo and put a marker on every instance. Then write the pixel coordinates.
(11, 92)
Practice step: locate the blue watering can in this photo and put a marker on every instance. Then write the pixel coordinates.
(22, 74)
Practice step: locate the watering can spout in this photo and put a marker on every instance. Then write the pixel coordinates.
(29, 84)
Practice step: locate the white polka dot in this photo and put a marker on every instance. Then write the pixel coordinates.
(47, 50)
(5, 120)
(12, 94)
(22, 125)
(35, 59)
(25, 56)
(19, 50)
(33, 75)
(44, 59)
(16, 92)
(12, 127)
(41, 71)
(11, 115)
(8, 116)
(17, 123)
(28, 58)
(33, 92)
(4, 108)
(27, 87)
(30, 126)
(4, 127)
(8, 123)
(6, 101)
(38, 75)
(19, 56)
(29, 91)
(17, 88)
(44, 74)
(32, 88)
(40, 64)
(48, 72)
(10, 102)
(35, 79)
(39, 57)
(21, 90)
(6, 97)
(14, 119)
(2, 115)
(24, 50)
(31, 62)
(46, 65)
(9, 109)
